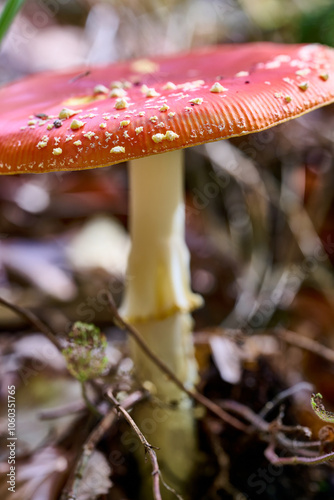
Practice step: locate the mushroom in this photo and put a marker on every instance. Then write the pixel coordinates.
(58, 121)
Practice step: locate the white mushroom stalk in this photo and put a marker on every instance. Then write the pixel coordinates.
(158, 271)
(158, 302)
(158, 297)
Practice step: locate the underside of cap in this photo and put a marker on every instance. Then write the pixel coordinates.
(94, 117)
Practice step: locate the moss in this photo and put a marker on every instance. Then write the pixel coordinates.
(85, 354)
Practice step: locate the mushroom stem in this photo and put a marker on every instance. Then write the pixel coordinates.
(158, 301)
(158, 277)
(158, 297)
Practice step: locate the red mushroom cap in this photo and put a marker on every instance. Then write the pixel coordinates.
(139, 108)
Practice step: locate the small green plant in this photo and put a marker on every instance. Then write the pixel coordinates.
(85, 354)
(320, 410)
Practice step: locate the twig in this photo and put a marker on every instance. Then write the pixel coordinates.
(302, 386)
(71, 491)
(247, 413)
(293, 338)
(62, 411)
(269, 429)
(210, 405)
(89, 404)
(46, 330)
(80, 75)
(148, 449)
(33, 320)
(222, 479)
(271, 455)
(305, 343)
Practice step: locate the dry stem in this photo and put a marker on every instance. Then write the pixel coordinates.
(71, 491)
(34, 321)
(149, 449)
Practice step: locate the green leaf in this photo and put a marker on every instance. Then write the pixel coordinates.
(8, 15)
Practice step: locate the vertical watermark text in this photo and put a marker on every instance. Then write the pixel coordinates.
(11, 444)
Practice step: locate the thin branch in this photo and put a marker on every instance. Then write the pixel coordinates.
(269, 429)
(222, 480)
(149, 449)
(303, 342)
(293, 338)
(34, 321)
(71, 491)
(62, 411)
(247, 413)
(202, 400)
(291, 429)
(88, 402)
(271, 455)
(303, 447)
(301, 386)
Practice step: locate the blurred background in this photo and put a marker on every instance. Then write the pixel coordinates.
(262, 256)
(52, 34)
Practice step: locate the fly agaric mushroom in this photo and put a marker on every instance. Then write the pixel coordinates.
(60, 121)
